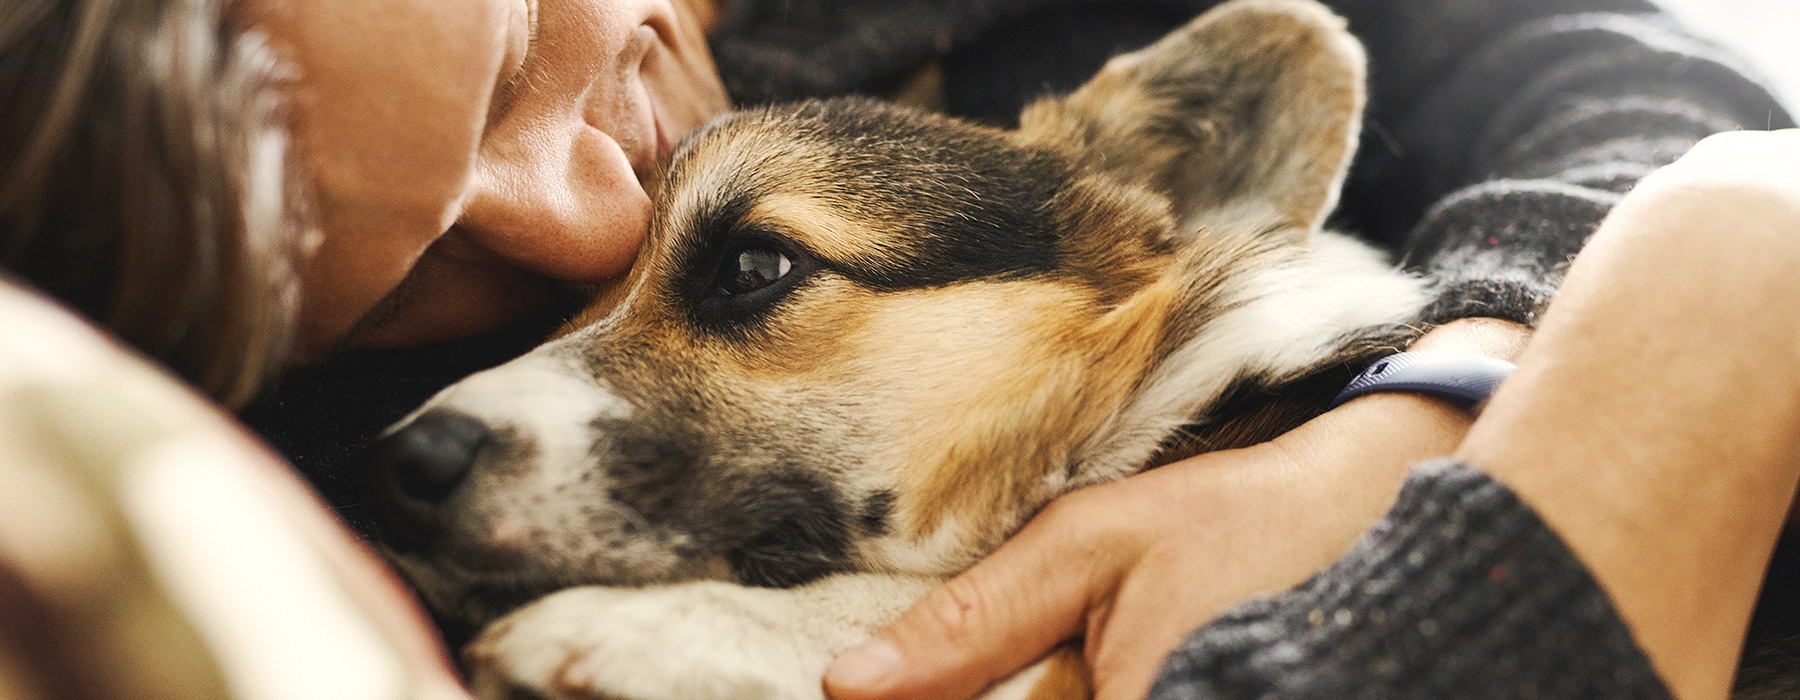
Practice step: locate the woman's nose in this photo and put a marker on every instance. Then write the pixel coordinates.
(567, 206)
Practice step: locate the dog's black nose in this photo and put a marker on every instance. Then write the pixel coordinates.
(415, 469)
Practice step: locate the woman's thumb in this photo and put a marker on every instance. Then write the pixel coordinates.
(1004, 613)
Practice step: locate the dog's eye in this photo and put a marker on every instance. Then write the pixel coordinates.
(751, 275)
(752, 268)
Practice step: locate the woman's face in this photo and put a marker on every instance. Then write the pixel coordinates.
(470, 155)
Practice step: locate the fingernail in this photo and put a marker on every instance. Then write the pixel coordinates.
(866, 665)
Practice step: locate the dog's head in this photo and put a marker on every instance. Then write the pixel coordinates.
(862, 337)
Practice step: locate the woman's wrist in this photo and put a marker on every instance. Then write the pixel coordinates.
(1408, 426)
(1493, 337)
(1362, 451)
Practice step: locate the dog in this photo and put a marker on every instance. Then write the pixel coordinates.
(864, 344)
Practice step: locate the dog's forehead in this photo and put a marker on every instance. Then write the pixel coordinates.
(904, 198)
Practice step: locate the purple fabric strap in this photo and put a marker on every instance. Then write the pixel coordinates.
(1462, 379)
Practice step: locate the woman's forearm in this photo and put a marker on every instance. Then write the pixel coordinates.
(1653, 420)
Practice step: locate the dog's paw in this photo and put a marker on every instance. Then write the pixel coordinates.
(694, 641)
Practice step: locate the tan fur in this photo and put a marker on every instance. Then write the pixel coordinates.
(1065, 677)
(822, 223)
(1312, 73)
(972, 463)
(606, 299)
(982, 472)
(924, 89)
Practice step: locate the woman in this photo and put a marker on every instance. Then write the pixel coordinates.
(445, 194)
(466, 161)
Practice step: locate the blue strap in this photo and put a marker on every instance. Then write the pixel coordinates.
(1462, 379)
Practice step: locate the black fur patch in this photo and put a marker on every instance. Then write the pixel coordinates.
(648, 472)
(944, 201)
(800, 530)
(972, 203)
(774, 524)
(875, 513)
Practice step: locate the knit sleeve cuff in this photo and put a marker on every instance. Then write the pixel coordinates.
(1499, 249)
(1461, 591)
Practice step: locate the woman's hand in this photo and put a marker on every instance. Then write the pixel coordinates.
(1133, 567)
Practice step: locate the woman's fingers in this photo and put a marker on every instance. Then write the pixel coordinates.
(1006, 612)
(1133, 567)
(1173, 590)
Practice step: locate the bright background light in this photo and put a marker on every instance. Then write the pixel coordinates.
(1767, 32)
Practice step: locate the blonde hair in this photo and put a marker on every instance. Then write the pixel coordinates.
(145, 180)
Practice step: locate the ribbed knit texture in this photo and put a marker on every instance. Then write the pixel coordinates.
(1460, 592)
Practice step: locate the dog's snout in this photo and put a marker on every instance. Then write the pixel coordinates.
(416, 468)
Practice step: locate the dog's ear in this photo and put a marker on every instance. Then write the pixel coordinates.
(1247, 116)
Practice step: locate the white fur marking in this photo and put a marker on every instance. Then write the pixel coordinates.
(1292, 317)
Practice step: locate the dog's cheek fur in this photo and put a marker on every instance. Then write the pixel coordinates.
(849, 416)
(976, 395)
(750, 451)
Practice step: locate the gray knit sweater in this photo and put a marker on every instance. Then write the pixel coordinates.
(1460, 592)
